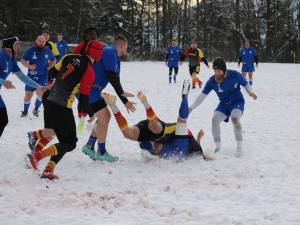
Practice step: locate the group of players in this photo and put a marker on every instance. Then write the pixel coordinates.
(85, 73)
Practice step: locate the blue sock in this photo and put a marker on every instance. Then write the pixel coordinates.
(91, 142)
(26, 106)
(101, 148)
(170, 78)
(38, 103)
(184, 108)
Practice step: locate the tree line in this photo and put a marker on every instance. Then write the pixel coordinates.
(219, 26)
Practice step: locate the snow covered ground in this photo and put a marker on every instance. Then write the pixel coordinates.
(261, 188)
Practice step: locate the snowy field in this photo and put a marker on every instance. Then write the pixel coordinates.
(261, 188)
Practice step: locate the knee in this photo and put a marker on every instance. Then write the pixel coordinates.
(236, 121)
(67, 146)
(215, 120)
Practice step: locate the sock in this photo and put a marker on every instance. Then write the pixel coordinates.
(122, 123)
(114, 108)
(149, 111)
(41, 143)
(184, 108)
(26, 106)
(91, 142)
(250, 82)
(239, 145)
(50, 167)
(52, 150)
(175, 78)
(170, 78)
(101, 148)
(194, 81)
(199, 82)
(38, 103)
(218, 145)
(38, 134)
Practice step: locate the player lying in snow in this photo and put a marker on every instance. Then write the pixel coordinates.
(155, 136)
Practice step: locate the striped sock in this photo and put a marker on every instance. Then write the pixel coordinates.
(150, 114)
(41, 143)
(50, 166)
(121, 120)
(51, 151)
(38, 134)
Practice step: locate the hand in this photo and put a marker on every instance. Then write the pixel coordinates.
(91, 119)
(8, 85)
(41, 90)
(32, 67)
(130, 106)
(127, 94)
(253, 95)
(190, 109)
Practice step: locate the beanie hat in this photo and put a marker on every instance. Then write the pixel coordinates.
(219, 64)
(9, 42)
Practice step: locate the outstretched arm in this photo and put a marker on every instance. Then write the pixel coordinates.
(26, 80)
(198, 101)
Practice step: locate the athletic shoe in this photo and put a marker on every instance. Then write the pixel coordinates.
(86, 149)
(49, 175)
(33, 163)
(106, 157)
(186, 87)
(35, 113)
(109, 99)
(31, 141)
(141, 96)
(24, 114)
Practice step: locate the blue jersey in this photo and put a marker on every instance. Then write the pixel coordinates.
(7, 65)
(109, 62)
(41, 58)
(228, 90)
(247, 55)
(62, 47)
(174, 56)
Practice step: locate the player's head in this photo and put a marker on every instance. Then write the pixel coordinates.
(219, 67)
(59, 36)
(46, 34)
(121, 44)
(11, 45)
(40, 41)
(94, 49)
(247, 43)
(173, 42)
(194, 44)
(91, 33)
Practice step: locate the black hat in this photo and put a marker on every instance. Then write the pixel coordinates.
(9, 41)
(219, 64)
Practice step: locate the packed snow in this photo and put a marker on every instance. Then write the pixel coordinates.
(260, 188)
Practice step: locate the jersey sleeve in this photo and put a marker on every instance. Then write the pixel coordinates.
(87, 81)
(208, 87)
(54, 49)
(51, 55)
(201, 55)
(15, 67)
(110, 61)
(27, 54)
(241, 79)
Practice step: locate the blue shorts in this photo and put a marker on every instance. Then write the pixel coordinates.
(178, 148)
(2, 104)
(41, 80)
(248, 68)
(227, 108)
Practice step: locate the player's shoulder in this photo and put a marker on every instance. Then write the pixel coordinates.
(233, 73)
(109, 51)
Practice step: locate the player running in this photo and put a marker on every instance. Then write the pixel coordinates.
(73, 74)
(8, 64)
(38, 60)
(226, 83)
(173, 55)
(157, 137)
(248, 57)
(107, 70)
(195, 57)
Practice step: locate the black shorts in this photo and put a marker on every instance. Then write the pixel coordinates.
(146, 134)
(57, 116)
(98, 105)
(194, 69)
(171, 69)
